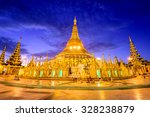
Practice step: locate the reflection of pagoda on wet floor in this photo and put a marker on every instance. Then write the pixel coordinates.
(76, 61)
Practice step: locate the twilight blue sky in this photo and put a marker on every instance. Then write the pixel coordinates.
(104, 26)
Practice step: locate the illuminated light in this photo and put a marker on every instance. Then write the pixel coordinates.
(98, 73)
(34, 73)
(60, 73)
(41, 73)
(70, 47)
(79, 47)
(53, 73)
(129, 58)
(98, 58)
(53, 83)
(74, 47)
(116, 74)
(37, 64)
(109, 73)
(98, 84)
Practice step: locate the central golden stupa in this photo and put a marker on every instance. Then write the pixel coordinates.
(74, 60)
(74, 47)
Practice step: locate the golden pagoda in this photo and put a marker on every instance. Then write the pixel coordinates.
(13, 64)
(2, 61)
(2, 57)
(15, 58)
(136, 62)
(74, 60)
(74, 47)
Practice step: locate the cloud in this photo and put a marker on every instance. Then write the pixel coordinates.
(57, 16)
(10, 45)
(52, 20)
(100, 46)
(50, 53)
(54, 42)
(33, 26)
(56, 46)
(48, 13)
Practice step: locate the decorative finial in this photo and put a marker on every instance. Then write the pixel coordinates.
(75, 20)
(33, 56)
(5, 48)
(20, 39)
(130, 38)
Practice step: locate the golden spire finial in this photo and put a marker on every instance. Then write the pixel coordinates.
(75, 20)
(74, 34)
(4, 48)
(130, 39)
(20, 39)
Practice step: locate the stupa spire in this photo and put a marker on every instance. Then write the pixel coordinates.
(103, 58)
(2, 56)
(15, 58)
(74, 46)
(46, 57)
(32, 62)
(135, 57)
(130, 39)
(75, 20)
(75, 34)
(74, 41)
(109, 60)
(20, 39)
(121, 63)
(116, 60)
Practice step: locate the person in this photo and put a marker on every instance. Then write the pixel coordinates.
(16, 77)
(88, 80)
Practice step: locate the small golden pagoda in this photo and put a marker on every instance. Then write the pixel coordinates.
(13, 64)
(2, 57)
(136, 62)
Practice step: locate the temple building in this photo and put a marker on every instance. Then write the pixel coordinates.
(74, 61)
(136, 62)
(13, 64)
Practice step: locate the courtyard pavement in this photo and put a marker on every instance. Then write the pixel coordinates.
(129, 89)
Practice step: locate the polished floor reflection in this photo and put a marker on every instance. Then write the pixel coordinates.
(18, 92)
(11, 93)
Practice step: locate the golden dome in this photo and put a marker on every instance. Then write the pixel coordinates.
(74, 46)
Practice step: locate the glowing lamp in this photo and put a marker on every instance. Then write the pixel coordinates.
(98, 58)
(74, 47)
(98, 84)
(37, 64)
(70, 47)
(129, 58)
(79, 47)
